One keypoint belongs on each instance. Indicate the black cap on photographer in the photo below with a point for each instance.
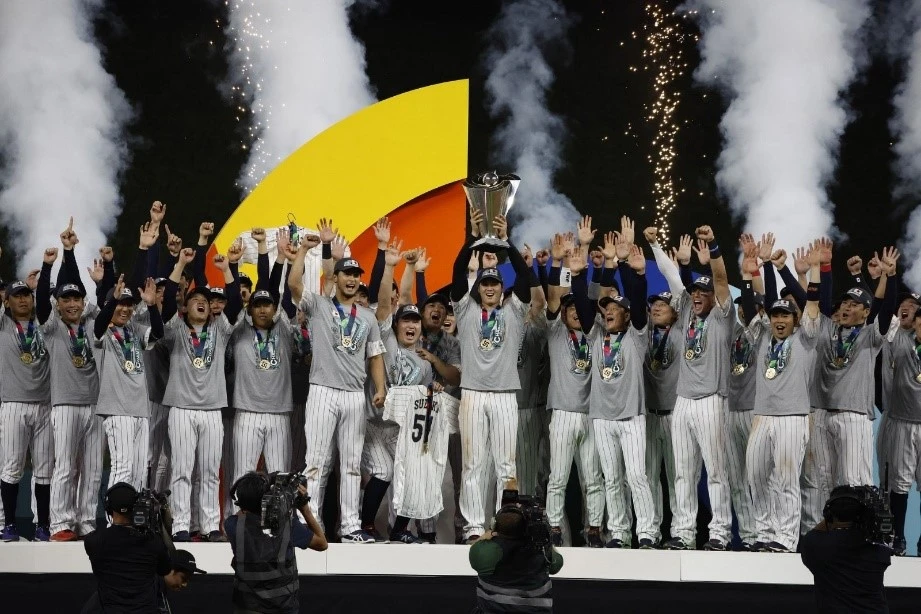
(121, 498)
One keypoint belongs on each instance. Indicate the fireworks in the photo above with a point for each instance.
(664, 56)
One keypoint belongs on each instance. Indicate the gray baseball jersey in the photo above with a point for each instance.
(74, 376)
(489, 344)
(904, 365)
(787, 392)
(665, 349)
(617, 383)
(24, 362)
(156, 360)
(196, 364)
(742, 371)
(262, 361)
(335, 365)
(845, 361)
(402, 367)
(707, 371)
(529, 355)
(122, 386)
(570, 368)
(447, 348)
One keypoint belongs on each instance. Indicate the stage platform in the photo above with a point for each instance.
(425, 578)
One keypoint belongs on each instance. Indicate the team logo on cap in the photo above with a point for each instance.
(350, 264)
(855, 292)
(703, 279)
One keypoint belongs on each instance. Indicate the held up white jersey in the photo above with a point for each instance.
(425, 421)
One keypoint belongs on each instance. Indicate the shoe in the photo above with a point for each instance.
(64, 536)
(714, 544)
(675, 543)
(758, 547)
(616, 543)
(775, 547)
(428, 538)
(899, 546)
(375, 535)
(215, 537)
(357, 537)
(593, 538)
(182, 536)
(647, 544)
(556, 537)
(10, 533)
(471, 540)
(42, 534)
(746, 547)
(405, 537)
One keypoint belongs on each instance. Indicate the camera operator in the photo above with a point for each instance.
(127, 561)
(265, 568)
(849, 551)
(514, 562)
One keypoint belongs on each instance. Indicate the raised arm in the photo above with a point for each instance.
(663, 262)
(104, 318)
(459, 273)
(286, 303)
(717, 265)
(382, 234)
(887, 289)
(43, 289)
(814, 260)
(107, 281)
(148, 237)
(636, 263)
(392, 257)
(411, 256)
(262, 258)
(148, 294)
(422, 264)
(555, 290)
(797, 290)
(205, 230)
(749, 267)
(226, 265)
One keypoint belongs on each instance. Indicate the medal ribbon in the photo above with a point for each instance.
(488, 327)
(26, 337)
(741, 350)
(199, 342)
(659, 345)
(843, 347)
(78, 345)
(778, 353)
(350, 323)
(696, 330)
(578, 347)
(918, 353)
(302, 335)
(266, 348)
(610, 350)
(125, 343)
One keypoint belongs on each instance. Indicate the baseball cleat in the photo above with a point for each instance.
(10, 533)
(428, 538)
(42, 534)
(182, 536)
(357, 537)
(64, 536)
(376, 535)
(775, 547)
(556, 537)
(472, 539)
(215, 537)
(715, 545)
(647, 544)
(746, 547)
(593, 538)
(616, 543)
(405, 537)
(675, 543)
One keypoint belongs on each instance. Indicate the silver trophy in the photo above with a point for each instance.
(491, 194)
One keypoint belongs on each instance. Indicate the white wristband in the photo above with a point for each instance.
(565, 277)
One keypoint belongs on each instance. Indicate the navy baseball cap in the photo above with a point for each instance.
(759, 299)
(347, 264)
(2, 284)
(910, 296)
(782, 305)
(205, 291)
(407, 311)
(702, 283)
(217, 292)
(567, 299)
(244, 280)
(182, 560)
(620, 300)
(858, 295)
(491, 274)
(363, 289)
(437, 298)
(665, 297)
(160, 281)
(18, 287)
(127, 296)
(261, 296)
(121, 497)
(70, 290)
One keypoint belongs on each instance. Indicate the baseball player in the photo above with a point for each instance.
(25, 410)
(119, 345)
(783, 367)
(77, 431)
(706, 318)
(571, 435)
(490, 333)
(196, 389)
(343, 336)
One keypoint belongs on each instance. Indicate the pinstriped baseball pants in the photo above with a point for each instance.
(196, 437)
(843, 448)
(738, 428)
(25, 427)
(258, 433)
(127, 437)
(77, 468)
(572, 436)
(659, 450)
(532, 426)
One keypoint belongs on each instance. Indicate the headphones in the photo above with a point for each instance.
(514, 509)
(844, 492)
(107, 503)
(247, 476)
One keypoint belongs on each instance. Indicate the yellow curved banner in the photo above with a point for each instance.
(365, 166)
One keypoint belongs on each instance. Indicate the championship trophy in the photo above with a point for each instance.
(491, 194)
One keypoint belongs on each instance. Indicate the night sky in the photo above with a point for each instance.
(186, 142)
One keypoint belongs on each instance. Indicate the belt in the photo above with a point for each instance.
(660, 412)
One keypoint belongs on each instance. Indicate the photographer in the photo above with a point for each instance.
(848, 552)
(127, 561)
(265, 568)
(514, 562)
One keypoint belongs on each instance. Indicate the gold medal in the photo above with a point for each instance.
(839, 362)
(581, 364)
(607, 372)
(918, 378)
(689, 355)
(771, 373)
(347, 342)
(199, 363)
(129, 366)
(264, 364)
(656, 365)
(738, 370)
(26, 358)
(486, 344)
(78, 361)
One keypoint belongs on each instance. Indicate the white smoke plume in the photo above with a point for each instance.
(530, 139)
(62, 120)
(906, 126)
(784, 65)
(299, 68)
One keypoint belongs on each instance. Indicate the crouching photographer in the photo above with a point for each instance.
(131, 555)
(263, 535)
(515, 562)
(849, 551)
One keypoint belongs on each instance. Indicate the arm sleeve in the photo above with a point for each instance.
(522, 276)
(887, 307)
(542, 276)
(459, 275)
(168, 265)
(169, 300)
(164, 565)
(825, 292)
(139, 274)
(70, 271)
(286, 303)
(377, 273)
(107, 283)
(796, 290)
(770, 283)
(585, 307)
(103, 319)
(275, 278)
(668, 270)
(153, 261)
(686, 277)
(156, 324)
(638, 313)
(198, 266)
(627, 278)
(748, 301)
(234, 300)
(262, 272)
(43, 294)
(422, 292)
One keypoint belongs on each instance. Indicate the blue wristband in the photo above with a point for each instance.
(715, 252)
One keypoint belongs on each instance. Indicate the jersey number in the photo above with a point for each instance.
(420, 425)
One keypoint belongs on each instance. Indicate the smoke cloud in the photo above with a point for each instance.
(62, 125)
(784, 65)
(299, 68)
(530, 137)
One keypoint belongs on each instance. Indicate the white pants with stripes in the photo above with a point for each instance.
(904, 455)
(196, 437)
(774, 462)
(257, 433)
(532, 427)
(77, 468)
(843, 449)
(573, 438)
(488, 424)
(813, 493)
(379, 450)
(158, 478)
(659, 450)
(698, 433)
(339, 414)
(127, 437)
(25, 428)
(621, 446)
(738, 428)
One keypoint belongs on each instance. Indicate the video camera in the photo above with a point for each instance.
(281, 500)
(151, 510)
(874, 518)
(537, 526)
